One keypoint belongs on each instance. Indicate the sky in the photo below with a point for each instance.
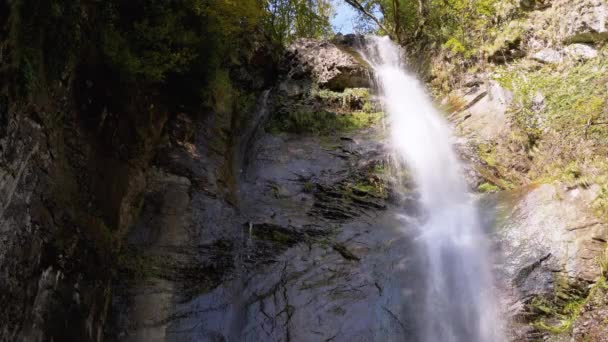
(344, 18)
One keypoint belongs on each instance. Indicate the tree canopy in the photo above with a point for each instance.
(454, 24)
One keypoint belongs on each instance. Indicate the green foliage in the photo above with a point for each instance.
(487, 187)
(322, 122)
(180, 45)
(290, 19)
(46, 37)
(457, 25)
(350, 99)
(573, 96)
(560, 109)
(308, 187)
(135, 265)
(150, 39)
(454, 45)
(557, 316)
(600, 204)
(503, 38)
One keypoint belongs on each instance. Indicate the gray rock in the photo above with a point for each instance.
(538, 102)
(582, 16)
(549, 56)
(484, 113)
(548, 240)
(331, 66)
(581, 51)
(566, 21)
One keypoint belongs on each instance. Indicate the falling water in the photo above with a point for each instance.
(458, 303)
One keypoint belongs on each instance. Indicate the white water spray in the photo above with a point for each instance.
(459, 305)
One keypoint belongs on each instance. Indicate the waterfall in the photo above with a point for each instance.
(459, 304)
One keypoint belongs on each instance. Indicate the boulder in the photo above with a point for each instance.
(558, 22)
(548, 56)
(332, 66)
(580, 17)
(581, 52)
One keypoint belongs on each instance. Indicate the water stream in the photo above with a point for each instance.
(458, 299)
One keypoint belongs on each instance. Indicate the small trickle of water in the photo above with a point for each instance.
(459, 305)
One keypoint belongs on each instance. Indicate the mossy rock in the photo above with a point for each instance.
(322, 122)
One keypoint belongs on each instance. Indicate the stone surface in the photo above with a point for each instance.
(331, 66)
(287, 237)
(483, 112)
(548, 56)
(300, 246)
(549, 241)
(581, 52)
(567, 21)
(592, 324)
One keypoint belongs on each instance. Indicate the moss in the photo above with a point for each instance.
(487, 187)
(600, 204)
(587, 38)
(506, 38)
(137, 266)
(354, 54)
(338, 311)
(557, 316)
(487, 154)
(368, 186)
(308, 187)
(330, 142)
(557, 321)
(351, 99)
(306, 121)
(573, 96)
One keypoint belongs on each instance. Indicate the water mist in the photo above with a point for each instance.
(458, 301)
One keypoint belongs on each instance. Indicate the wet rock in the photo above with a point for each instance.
(345, 253)
(547, 238)
(314, 293)
(548, 56)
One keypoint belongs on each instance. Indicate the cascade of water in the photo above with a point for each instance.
(459, 305)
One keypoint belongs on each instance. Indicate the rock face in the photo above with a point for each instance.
(547, 27)
(550, 243)
(568, 21)
(567, 237)
(581, 17)
(298, 236)
(234, 233)
(481, 110)
(331, 66)
(265, 240)
(80, 154)
(63, 184)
